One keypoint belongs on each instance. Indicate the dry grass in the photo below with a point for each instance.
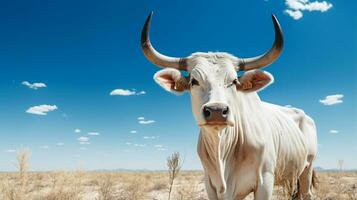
(337, 185)
(15, 186)
(105, 188)
(64, 186)
(22, 157)
(143, 186)
(174, 164)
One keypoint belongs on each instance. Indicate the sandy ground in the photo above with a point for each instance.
(142, 186)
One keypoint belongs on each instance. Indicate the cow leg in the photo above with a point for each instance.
(211, 191)
(305, 183)
(264, 190)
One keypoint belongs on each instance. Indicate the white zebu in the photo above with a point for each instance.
(245, 144)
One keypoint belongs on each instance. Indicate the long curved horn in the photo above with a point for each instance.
(268, 57)
(154, 56)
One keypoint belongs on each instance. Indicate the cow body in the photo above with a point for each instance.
(270, 141)
(245, 145)
(267, 143)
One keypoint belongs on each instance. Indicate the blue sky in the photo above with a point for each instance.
(83, 50)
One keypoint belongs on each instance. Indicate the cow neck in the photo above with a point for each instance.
(219, 150)
(216, 150)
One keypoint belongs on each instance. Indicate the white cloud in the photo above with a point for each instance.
(59, 143)
(41, 109)
(83, 139)
(160, 147)
(128, 143)
(295, 7)
(77, 130)
(139, 145)
(133, 131)
(141, 93)
(333, 131)
(84, 142)
(34, 86)
(295, 14)
(124, 92)
(149, 137)
(142, 120)
(9, 151)
(332, 99)
(146, 121)
(93, 133)
(44, 147)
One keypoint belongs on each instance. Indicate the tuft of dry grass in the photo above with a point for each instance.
(106, 188)
(15, 186)
(174, 164)
(64, 186)
(337, 185)
(22, 157)
(158, 185)
(133, 190)
(9, 189)
(189, 192)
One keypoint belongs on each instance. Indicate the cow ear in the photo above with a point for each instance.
(254, 80)
(172, 80)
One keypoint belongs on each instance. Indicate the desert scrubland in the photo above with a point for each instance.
(62, 185)
(135, 185)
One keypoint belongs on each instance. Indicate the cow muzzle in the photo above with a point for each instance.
(216, 114)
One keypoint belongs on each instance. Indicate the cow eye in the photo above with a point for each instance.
(194, 82)
(234, 82)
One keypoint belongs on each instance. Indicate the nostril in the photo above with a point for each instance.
(225, 111)
(206, 112)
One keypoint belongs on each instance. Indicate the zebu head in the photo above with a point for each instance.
(212, 80)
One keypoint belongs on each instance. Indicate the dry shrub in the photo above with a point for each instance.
(189, 192)
(352, 192)
(323, 189)
(9, 190)
(13, 188)
(37, 182)
(65, 186)
(145, 185)
(133, 189)
(336, 185)
(286, 184)
(158, 185)
(22, 157)
(174, 164)
(106, 189)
